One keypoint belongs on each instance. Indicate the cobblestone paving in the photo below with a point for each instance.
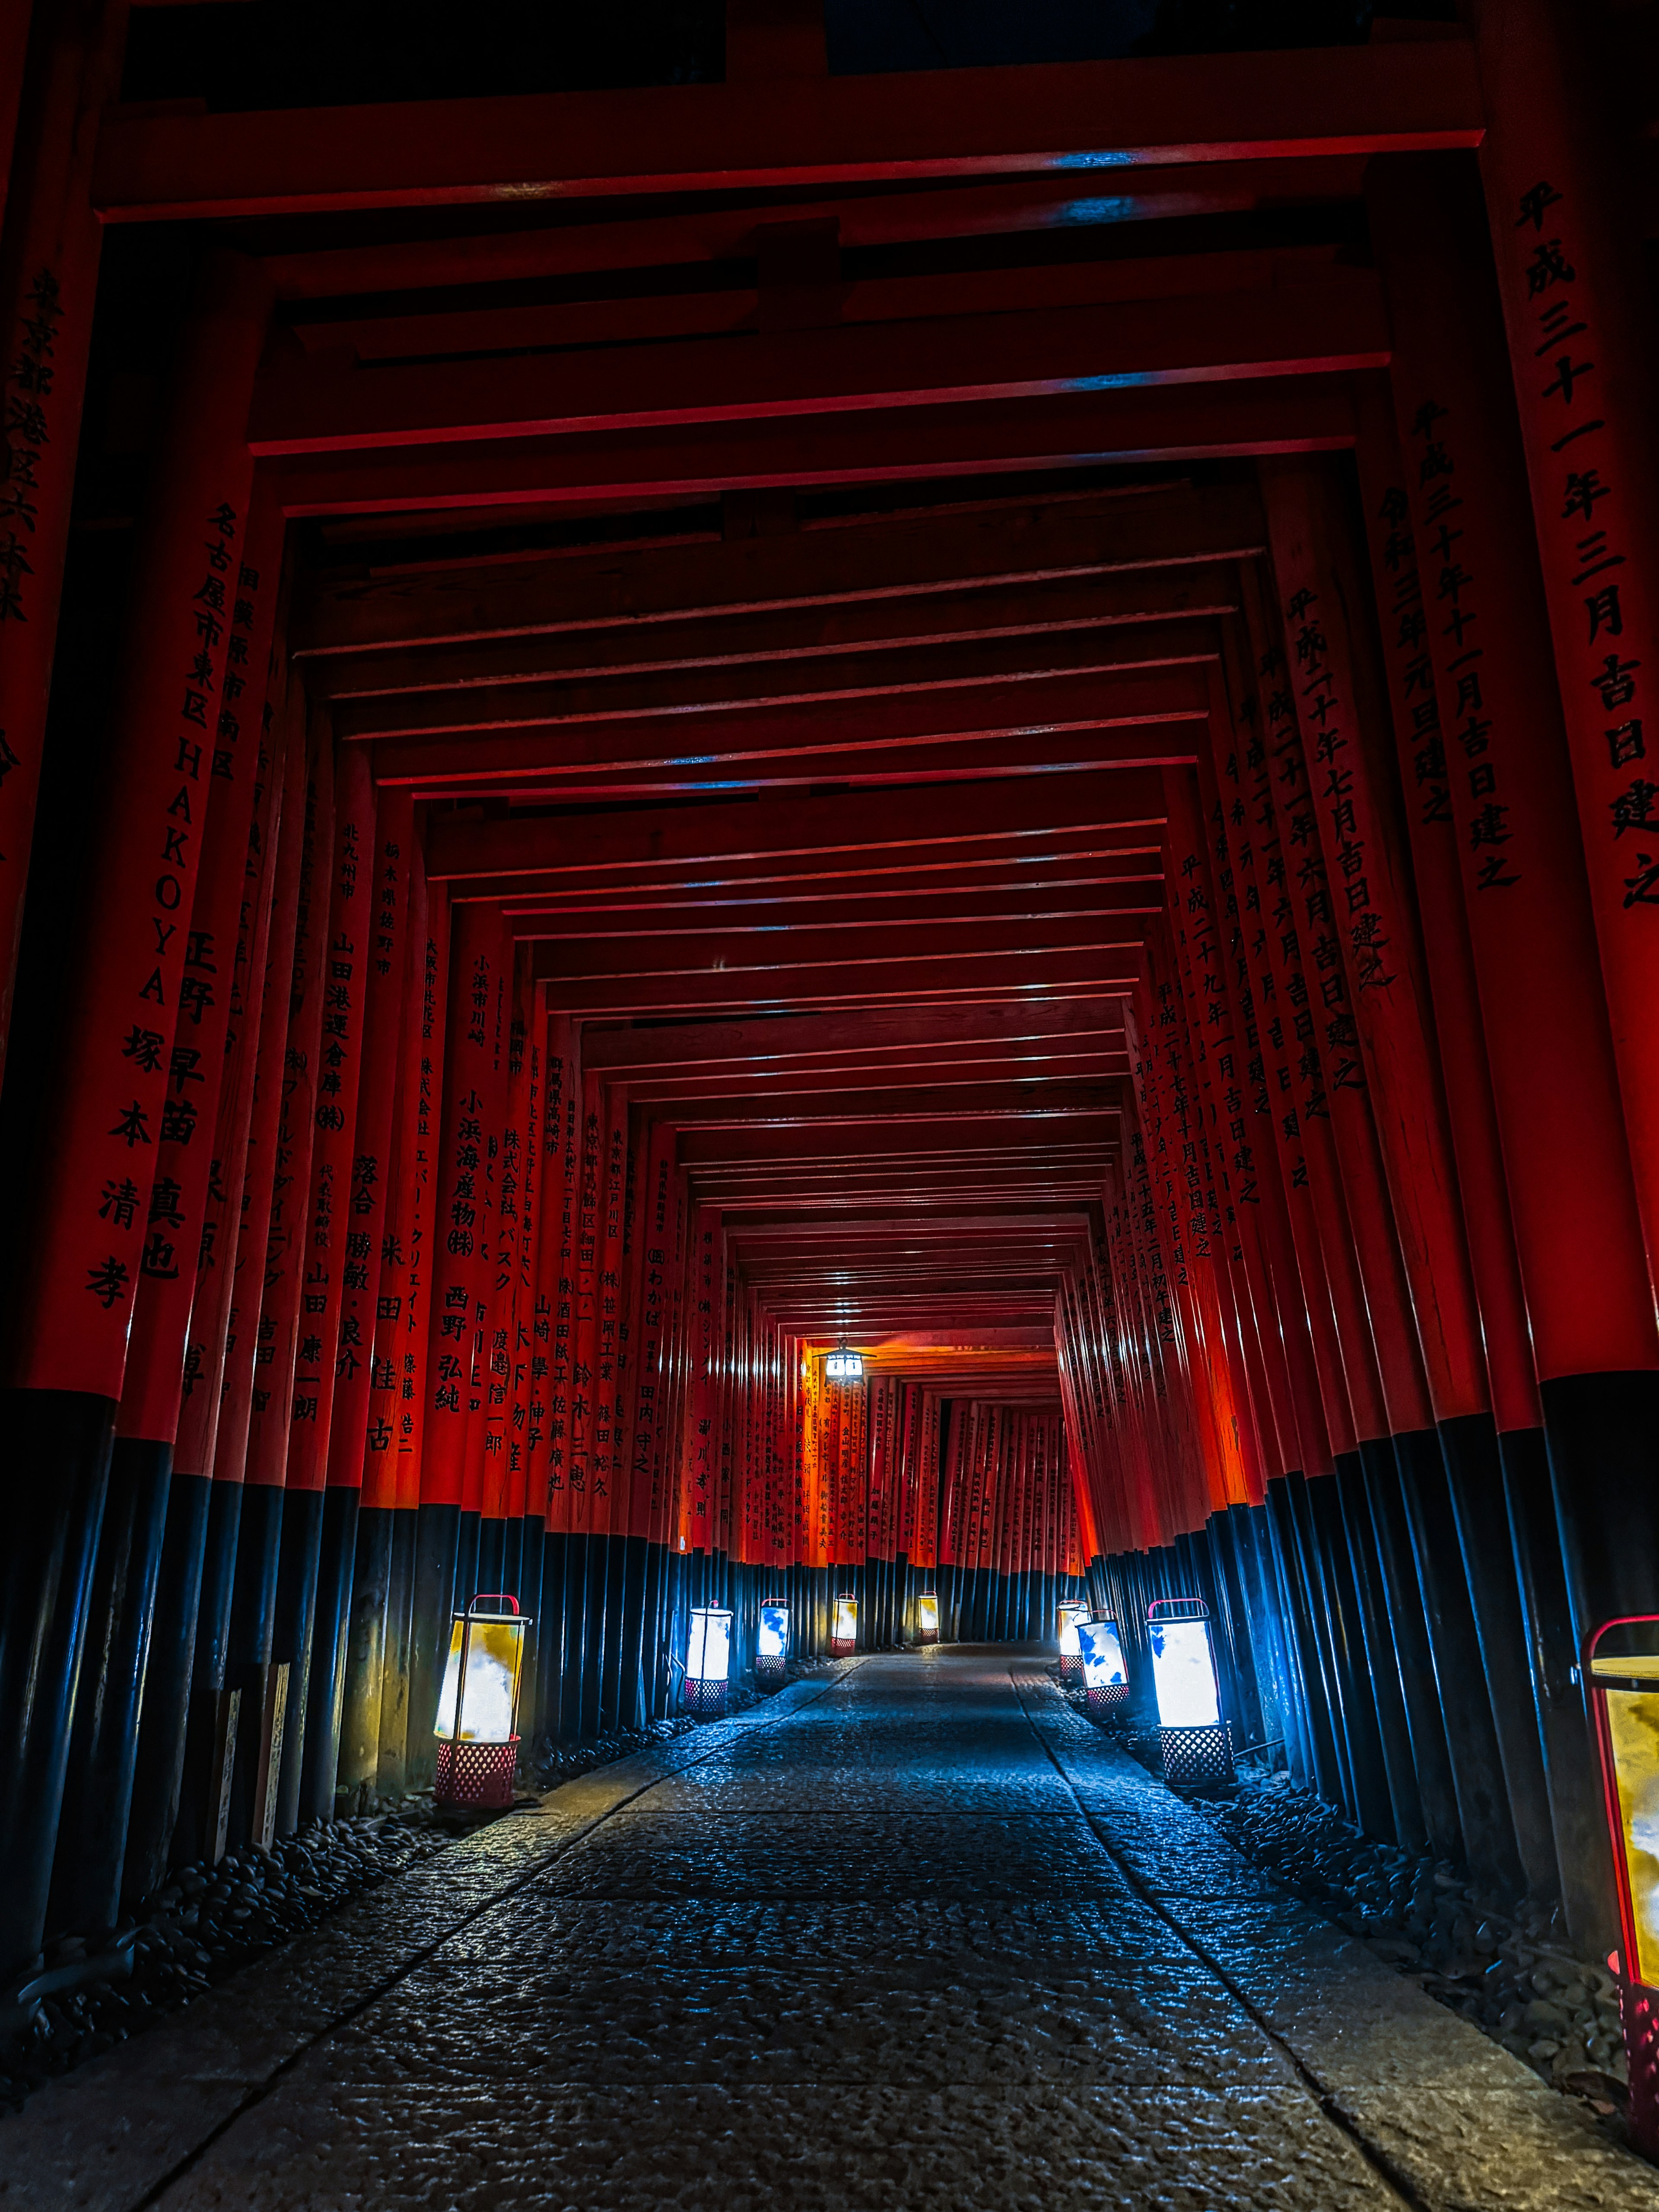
(912, 1936)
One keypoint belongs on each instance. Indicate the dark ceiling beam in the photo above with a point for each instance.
(816, 1111)
(989, 975)
(984, 902)
(1130, 676)
(897, 215)
(762, 1038)
(1120, 810)
(765, 886)
(1119, 603)
(1327, 317)
(899, 445)
(879, 564)
(667, 1098)
(1089, 117)
(762, 954)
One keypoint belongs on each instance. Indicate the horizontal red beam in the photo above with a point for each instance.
(991, 976)
(1094, 118)
(762, 1088)
(1155, 423)
(817, 1112)
(984, 902)
(872, 562)
(761, 1039)
(759, 954)
(798, 637)
(1120, 803)
(1317, 322)
(726, 232)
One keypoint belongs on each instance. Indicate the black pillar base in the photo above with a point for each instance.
(165, 1718)
(326, 1687)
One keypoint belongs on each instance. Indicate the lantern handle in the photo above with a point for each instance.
(1177, 1609)
(1623, 1620)
(498, 1598)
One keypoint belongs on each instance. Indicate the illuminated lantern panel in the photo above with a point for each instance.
(1624, 1688)
(1197, 1742)
(1072, 1611)
(772, 1641)
(478, 1705)
(928, 1617)
(844, 1366)
(1105, 1678)
(707, 1659)
(843, 1627)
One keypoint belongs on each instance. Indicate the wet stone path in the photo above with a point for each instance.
(914, 1936)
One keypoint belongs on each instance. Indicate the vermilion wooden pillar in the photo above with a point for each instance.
(1365, 905)
(1497, 762)
(48, 280)
(100, 1115)
(118, 1674)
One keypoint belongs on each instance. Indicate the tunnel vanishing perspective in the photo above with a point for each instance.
(827, 983)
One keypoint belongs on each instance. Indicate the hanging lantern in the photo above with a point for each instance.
(1072, 1611)
(707, 1659)
(1105, 1678)
(772, 1641)
(1197, 1745)
(1623, 1688)
(844, 1626)
(478, 1705)
(928, 1617)
(842, 1365)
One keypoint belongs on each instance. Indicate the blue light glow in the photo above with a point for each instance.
(1184, 1674)
(1102, 1654)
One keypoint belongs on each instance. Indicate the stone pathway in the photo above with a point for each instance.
(913, 1938)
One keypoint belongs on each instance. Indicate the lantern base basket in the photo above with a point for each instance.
(708, 1698)
(768, 1671)
(843, 1647)
(476, 1778)
(1639, 2008)
(1198, 1758)
(1104, 1701)
(926, 1636)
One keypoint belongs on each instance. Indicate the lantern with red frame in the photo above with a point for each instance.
(926, 1629)
(478, 1705)
(1072, 1611)
(1623, 1682)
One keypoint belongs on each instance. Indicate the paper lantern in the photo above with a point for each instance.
(707, 1659)
(772, 1641)
(1105, 1678)
(1623, 1680)
(1197, 1743)
(844, 1626)
(1072, 1611)
(842, 1365)
(478, 1705)
(926, 1629)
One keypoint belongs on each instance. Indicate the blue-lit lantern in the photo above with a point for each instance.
(1197, 1743)
(926, 1629)
(1072, 1611)
(771, 1642)
(843, 1625)
(1105, 1678)
(707, 1659)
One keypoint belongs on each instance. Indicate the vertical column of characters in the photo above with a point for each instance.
(484, 1394)
(377, 925)
(1408, 668)
(230, 903)
(48, 285)
(605, 1458)
(1509, 791)
(282, 1309)
(112, 1084)
(213, 1430)
(530, 1036)
(585, 1315)
(344, 971)
(556, 1300)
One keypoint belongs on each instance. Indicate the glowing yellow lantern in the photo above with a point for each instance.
(1623, 1688)
(844, 1626)
(478, 1705)
(1071, 1612)
(772, 1641)
(928, 1617)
